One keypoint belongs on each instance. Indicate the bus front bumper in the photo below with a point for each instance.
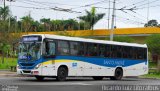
(28, 72)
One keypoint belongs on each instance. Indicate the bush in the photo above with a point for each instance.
(153, 43)
(122, 39)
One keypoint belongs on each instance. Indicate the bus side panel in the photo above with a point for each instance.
(97, 70)
(79, 68)
(48, 68)
(136, 70)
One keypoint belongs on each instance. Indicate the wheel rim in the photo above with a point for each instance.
(118, 74)
(62, 74)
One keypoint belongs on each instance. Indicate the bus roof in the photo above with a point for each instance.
(88, 40)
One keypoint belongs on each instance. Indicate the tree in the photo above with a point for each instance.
(57, 25)
(70, 24)
(91, 17)
(35, 26)
(26, 22)
(46, 23)
(153, 43)
(151, 23)
(4, 13)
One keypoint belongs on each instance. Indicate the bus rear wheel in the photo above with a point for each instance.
(62, 74)
(118, 74)
(97, 77)
(39, 78)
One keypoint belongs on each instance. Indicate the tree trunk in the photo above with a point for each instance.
(158, 64)
(2, 58)
(91, 27)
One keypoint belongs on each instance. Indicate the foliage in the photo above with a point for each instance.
(123, 39)
(26, 23)
(91, 17)
(4, 13)
(152, 23)
(8, 62)
(153, 43)
(157, 75)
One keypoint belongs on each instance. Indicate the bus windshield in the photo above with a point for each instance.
(29, 51)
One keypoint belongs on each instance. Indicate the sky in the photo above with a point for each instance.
(125, 17)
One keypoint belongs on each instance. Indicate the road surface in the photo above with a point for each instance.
(77, 84)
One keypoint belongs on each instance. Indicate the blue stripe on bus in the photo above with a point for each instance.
(109, 62)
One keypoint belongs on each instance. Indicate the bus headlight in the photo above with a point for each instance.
(18, 67)
(37, 66)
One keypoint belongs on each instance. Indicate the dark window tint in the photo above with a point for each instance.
(140, 53)
(81, 49)
(107, 51)
(113, 51)
(102, 50)
(49, 48)
(145, 53)
(92, 49)
(119, 52)
(74, 48)
(63, 48)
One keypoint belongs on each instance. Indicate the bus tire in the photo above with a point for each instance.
(62, 74)
(39, 78)
(97, 77)
(118, 74)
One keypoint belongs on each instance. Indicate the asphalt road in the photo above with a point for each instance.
(77, 84)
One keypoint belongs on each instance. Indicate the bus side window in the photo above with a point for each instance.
(101, 50)
(87, 46)
(63, 47)
(49, 48)
(119, 51)
(81, 49)
(92, 49)
(108, 51)
(74, 48)
(125, 52)
(134, 53)
(140, 53)
(145, 53)
(114, 51)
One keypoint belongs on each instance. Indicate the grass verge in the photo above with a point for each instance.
(8, 62)
(156, 75)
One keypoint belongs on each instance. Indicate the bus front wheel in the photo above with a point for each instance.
(62, 74)
(118, 74)
(39, 78)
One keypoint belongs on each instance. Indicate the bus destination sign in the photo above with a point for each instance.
(31, 38)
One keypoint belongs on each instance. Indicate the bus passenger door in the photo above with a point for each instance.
(48, 66)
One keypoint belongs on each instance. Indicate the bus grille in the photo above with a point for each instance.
(26, 71)
(27, 64)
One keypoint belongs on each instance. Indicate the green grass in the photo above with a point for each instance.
(152, 65)
(153, 73)
(157, 75)
(7, 63)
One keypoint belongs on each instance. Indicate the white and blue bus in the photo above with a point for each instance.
(44, 55)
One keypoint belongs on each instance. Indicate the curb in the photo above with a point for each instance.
(11, 75)
(149, 78)
(4, 70)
